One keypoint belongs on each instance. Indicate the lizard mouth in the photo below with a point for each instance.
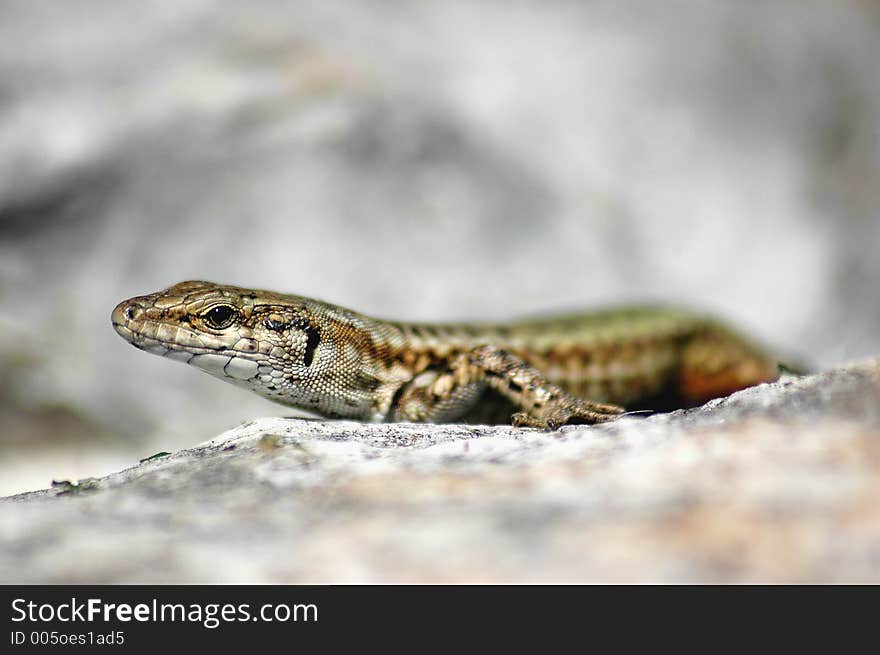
(220, 362)
(155, 346)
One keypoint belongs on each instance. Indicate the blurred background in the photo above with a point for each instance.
(419, 160)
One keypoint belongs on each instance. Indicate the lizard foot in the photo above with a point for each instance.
(577, 412)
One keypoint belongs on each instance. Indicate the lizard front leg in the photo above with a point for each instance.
(542, 404)
(437, 396)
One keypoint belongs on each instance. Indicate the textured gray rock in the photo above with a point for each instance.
(776, 483)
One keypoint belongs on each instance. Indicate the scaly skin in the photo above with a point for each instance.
(541, 373)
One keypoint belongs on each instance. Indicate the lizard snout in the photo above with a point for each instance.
(125, 312)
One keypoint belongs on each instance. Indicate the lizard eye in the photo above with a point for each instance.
(220, 317)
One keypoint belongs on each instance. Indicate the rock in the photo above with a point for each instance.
(777, 483)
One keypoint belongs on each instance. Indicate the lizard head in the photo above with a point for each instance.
(277, 345)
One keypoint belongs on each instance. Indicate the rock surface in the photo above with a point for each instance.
(776, 483)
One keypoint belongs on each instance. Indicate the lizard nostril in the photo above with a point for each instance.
(125, 314)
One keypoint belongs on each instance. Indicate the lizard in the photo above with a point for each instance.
(540, 372)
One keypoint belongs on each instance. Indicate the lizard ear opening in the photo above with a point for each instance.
(275, 324)
(313, 338)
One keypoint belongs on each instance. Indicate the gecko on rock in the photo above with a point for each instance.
(545, 372)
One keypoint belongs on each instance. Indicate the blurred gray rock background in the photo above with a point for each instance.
(417, 160)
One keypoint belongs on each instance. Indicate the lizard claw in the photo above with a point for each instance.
(523, 420)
